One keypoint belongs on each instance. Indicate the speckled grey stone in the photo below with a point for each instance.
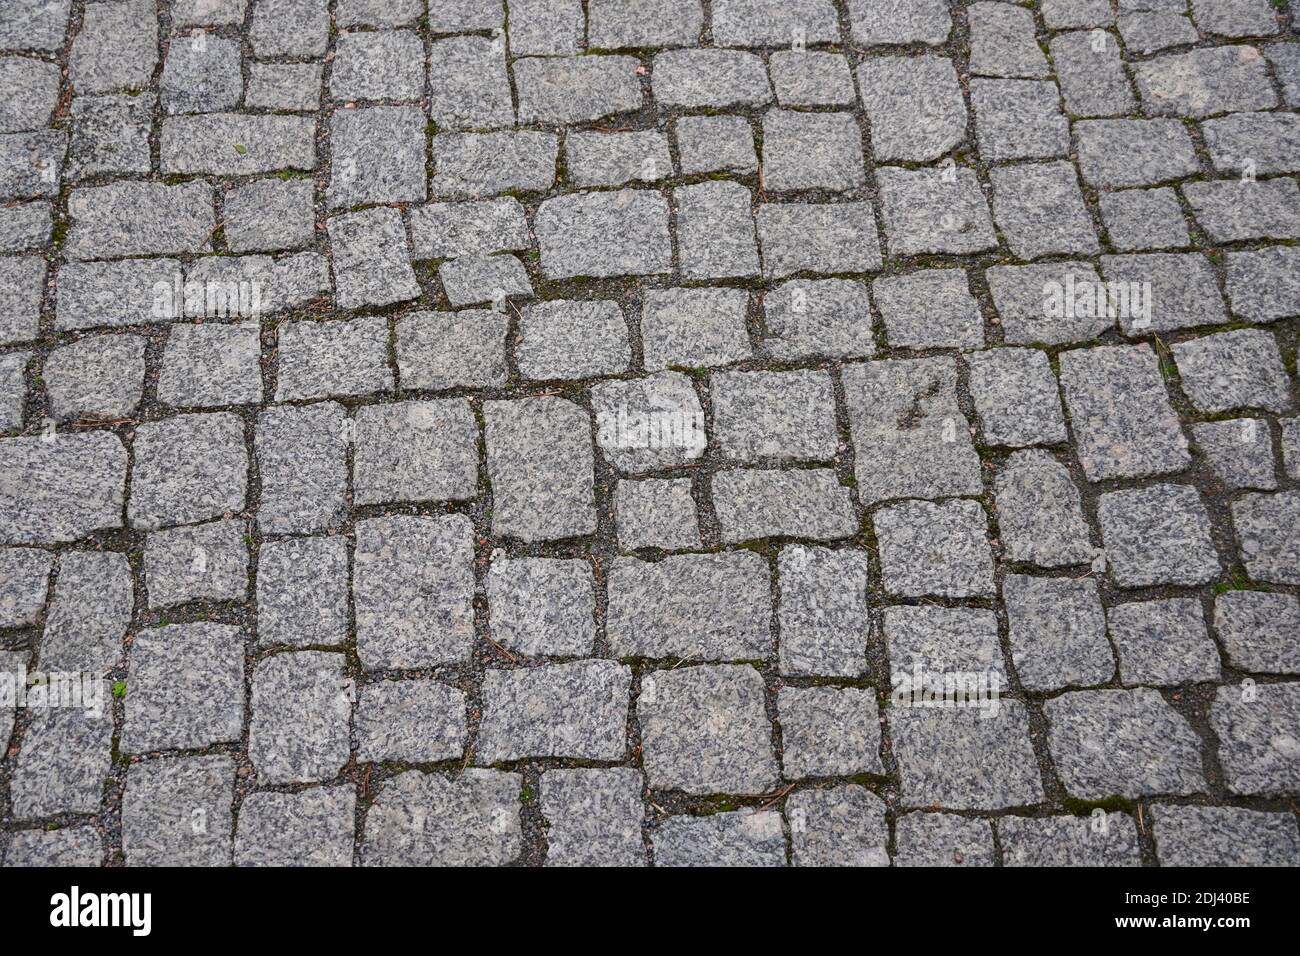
(301, 717)
(649, 423)
(693, 328)
(829, 731)
(377, 13)
(185, 688)
(1238, 369)
(576, 710)
(25, 227)
(1264, 285)
(315, 827)
(1041, 211)
(704, 606)
(735, 838)
(1057, 631)
(774, 415)
(415, 451)
(202, 74)
(613, 24)
(207, 562)
(300, 459)
(612, 159)
(380, 65)
(377, 155)
(1002, 41)
(925, 213)
(1231, 211)
(1019, 119)
(915, 106)
(1258, 745)
(1159, 534)
(704, 730)
(212, 365)
(24, 579)
(1224, 836)
(811, 151)
(594, 817)
(935, 549)
(1016, 398)
(823, 611)
(542, 606)
(412, 721)
(206, 144)
(420, 819)
(807, 78)
(889, 22)
(558, 91)
(1239, 452)
(1138, 219)
(1091, 73)
(31, 164)
(441, 350)
(965, 758)
(284, 86)
(188, 468)
(1107, 840)
(34, 25)
(709, 79)
(568, 339)
(471, 165)
(715, 231)
(128, 218)
(930, 647)
(1127, 743)
(13, 389)
(773, 23)
(73, 846)
(1285, 59)
(323, 359)
(546, 27)
(116, 48)
(1269, 141)
(476, 280)
(840, 826)
(89, 615)
(1268, 527)
(412, 585)
(754, 503)
(1257, 629)
(302, 591)
(372, 264)
(447, 230)
(1163, 642)
(13, 668)
(1117, 153)
(468, 85)
(910, 436)
(656, 513)
(460, 16)
(1148, 31)
(66, 753)
(714, 144)
(943, 839)
(270, 214)
(33, 87)
(60, 490)
(1034, 307)
(1235, 18)
(1123, 424)
(604, 234)
(22, 285)
(810, 318)
(932, 308)
(826, 238)
(1183, 291)
(1291, 446)
(1205, 82)
(176, 811)
(100, 376)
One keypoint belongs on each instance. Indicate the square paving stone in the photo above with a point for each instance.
(188, 468)
(808, 151)
(25, 227)
(915, 107)
(1224, 836)
(613, 24)
(1140, 219)
(756, 503)
(559, 91)
(705, 730)
(35, 25)
(1205, 82)
(411, 721)
(694, 328)
(1002, 41)
(911, 438)
(1268, 527)
(838, 826)
(415, 451)
(270, 214)
(823, 611)
(117, 47)
(965, 758)
(433, 819)
(1091, 72)
(594, 817)
(1258, 747)
(827, 238)
(302, 591)
(705, 606)
(935, 549)
(735, 838)
(715, 231)
(377, 155)
(649, 423)
(932, 308)
(1265, 284)
(656, 513)
(323, 359)
(949, 653)
(572, 339)
(99, 376)
(542, 606)
(33, 93)
(546, 27)
(1041, 211)
(577, 710)
(301, 717)
(943, 839)
(1108, 840)
(372, 265)
(1123, 423)
(1114, 154)
(806, 78)
(816, 317)
(612, 159)
(207, 562)
(61, 490)
(829, 732)
(473, 165)
(1016, 397)
(468, 85)
(24, 580)
(301, 461)
(774, 415)
(715, 144)
(1163, 642)
(212, 365)
(1157, 535)
(604, 234)
(927, 214)
(380, 65)
(890, 22)
(79, 846)
(185, 688)
(88, 618)
(1257, 629)
(540, 462)
(1057, 631)
(202, 74)
(176, 811)
(1238, 369)
(313, 828)
(709, 79)
(442, 350)
(1019, 119)
(1126, 743)
(413, 584)
(294, 87)
(66, 753)
(1239, 452)
(31, 164)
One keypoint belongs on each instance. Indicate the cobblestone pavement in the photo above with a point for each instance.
(630, 431)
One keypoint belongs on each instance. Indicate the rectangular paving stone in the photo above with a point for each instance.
(915, 106)
(415, 451)
(709, 79)
(378, 65)
(88, 618)
(943, 839)
(1140, 219)
(765, 415)
(772, 23)
(1264, 285)
(715, 231)
(1256, 629)
(1057, 631)
(61, 490)
(236, 144)
(35, 25)
(372, 265)
(433, 819)
(1270, 142)
(932, 549)
(1091, 74)
(22, 288)
(1268, 528)
(694, 328)
(1053, 303)
(705, 606)
(34, 93)
(1224, 836)
(31, 164)
(650, 423)
(463, 16)
(1238, 451)
(1238, 369)
(79, 846)
(25, 227)
(296, 28)
(1234, 211)
(300, 717)
(468, 85)
(25, 575)
(1163, 642)
(212, 365)
(1019, 119)
(734, 838)
(269, 215)
(753, 503)
(1115, 153)
(823, 611)
(656, 513)
(99, 376)
(474, 165)
(1151, 31)
(377, 155)
(932, 308)
(187, 469)
(572, 339)
(131, 219)
(1257, 737)
(315, 827)
(944, 655)
(412, 586)
(447, 230)
(477, 280)
(615, 24)
(546, 27)
(713, 144)
(576, 710)
(302, 591)
(604, 234)
(1183, 292)
(295, 87)
(66, 753)
(613, 159)
(301, 461)
(890, 22)
(839, 826)
(176, 811)
(816, 317)
(412, 721)
(829, 238)
(542, 606)
(1108, 840)
(925, 213)
(1205, 82)
(201, 75)
(1159, 534)
(594, 817)
(1002, 41)
(340, 357)
(806, 78)
(441, 350)
(1040, 512)
(207, 562)
(563, 91)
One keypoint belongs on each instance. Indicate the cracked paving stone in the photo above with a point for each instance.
(829, 732)
(692, 328)
(572, 339)
(542, 606)
(475, 165)
(433, 819)
(62, 490)
(99, 376)
(411, 721)
(1268, 527)
(1256, 629)
(915, 107)
(477, 280)
(927, 214)
(648, 424)
(704, 730)
(932, 308)
(377, 155)
(827, 238)
(707, 606)
(1232, 211)
(176, 811)
(1041, 211)
(1106, 840)
(753, 504)
(90, 613)
(448, 230)
(384, 65)
(207, 562)
(327, 359)
(807, 319)
(66, 753)
(415, 451)
(313, 828)
(186, 688)
(805, 78)
(839, 826)
(715, 231)
(300, 717)
(1057, 632)
(1002, 42)
(1224, 836)
(935, 549)
(302, 592)
(211, 365)
(468, 85)
(413, 588)
(594, 817)
(576, 710)
(823, 612)
(1126, 743)
(442, 350)
(1016, 398)
(25, 575)
(1141, 219)
(1163, 642)
(1229, 370)
(811, 151)
(931, 648)
(1258, 745)
(774, 415)
(1238, 451)
(559, 91)
(75, 846)
(732, 838)
(1204, 82)
(604, 234)
(656, 513)
(372, 265)
(1270, 142)
(1019, 119)
(1159, 534)
(943, 839)
(1115, 153)
(300, 459)
(715, 144)
(709, 79)
(614, 159)
(965, 758)
(186, 469)
(1091, 74)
